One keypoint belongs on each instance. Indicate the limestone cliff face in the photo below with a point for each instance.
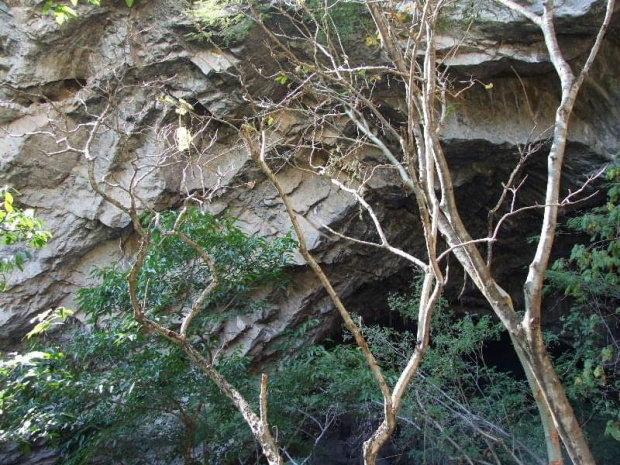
(136, 54)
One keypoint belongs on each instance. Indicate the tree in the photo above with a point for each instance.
(153, 228)
(319, 66)
(117, 377)
(459, 410)
(326, 84)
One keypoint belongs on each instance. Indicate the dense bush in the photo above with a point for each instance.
(458, 408)
(116, 391)
(590, 280)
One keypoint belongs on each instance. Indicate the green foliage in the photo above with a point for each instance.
(26, 381)
(173, 274)
(48, 319)
(317, 388)
(117, 396)
(223, 21)
(452, 406)
(117, 392)
(18, 227)
(593, 268)
(340, 21)
(63, 12)
(590, 279)
(461, 15)
(457, 398)
(228, 22)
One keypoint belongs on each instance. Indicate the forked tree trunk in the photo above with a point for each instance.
(432, 288)
(420, 142)
(431, 291)
(527, 334)
(258, 425)
(532, 353)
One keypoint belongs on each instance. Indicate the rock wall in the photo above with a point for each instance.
(69, 73)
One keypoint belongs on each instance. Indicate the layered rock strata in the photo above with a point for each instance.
(131, 57)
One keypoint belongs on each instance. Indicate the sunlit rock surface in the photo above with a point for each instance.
(139, 54)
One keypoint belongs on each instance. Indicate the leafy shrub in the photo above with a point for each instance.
(62, 12)
(349, 21)
(18, 226)
(221, 21)
(117, 392)
(590, 279)
(457, 409)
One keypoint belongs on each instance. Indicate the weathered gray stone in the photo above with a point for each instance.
(46, 67)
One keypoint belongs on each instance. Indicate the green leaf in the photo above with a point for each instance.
(129, 3)
(8, 202)
(599, 372)
(47, 7)
(282, 79)
(371, 41)
(65, 313)
(63, 13)
(8, 197)
(613, 429)
(607, 353)
(47, 319)
(70, 12)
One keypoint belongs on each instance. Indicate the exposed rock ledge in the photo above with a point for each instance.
(43, 64)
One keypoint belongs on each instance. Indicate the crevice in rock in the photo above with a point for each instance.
(56, 91)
